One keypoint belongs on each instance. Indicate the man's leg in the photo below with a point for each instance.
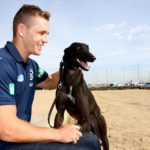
(87, 142)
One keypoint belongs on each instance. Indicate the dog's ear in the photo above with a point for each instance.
(66, 50)
(66, 54)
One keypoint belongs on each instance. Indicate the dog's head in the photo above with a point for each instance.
(77, 55)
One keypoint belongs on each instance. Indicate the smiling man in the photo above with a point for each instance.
(19, 75)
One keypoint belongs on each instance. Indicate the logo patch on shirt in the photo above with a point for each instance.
(20, 78)
(11, 89)
(31, 84)
(31, 74)
(40, 72)
(31, 77)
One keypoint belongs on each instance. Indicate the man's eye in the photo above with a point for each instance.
(42, 33)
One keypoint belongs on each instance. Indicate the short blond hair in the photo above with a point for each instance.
(25, 13)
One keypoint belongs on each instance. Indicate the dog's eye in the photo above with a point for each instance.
(78, 48)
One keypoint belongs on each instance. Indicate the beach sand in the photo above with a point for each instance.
(127, 113)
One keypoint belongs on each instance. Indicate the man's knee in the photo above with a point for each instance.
(90, 140)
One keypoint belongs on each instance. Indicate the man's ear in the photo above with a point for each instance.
(20, 29)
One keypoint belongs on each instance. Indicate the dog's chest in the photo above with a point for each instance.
(70, 96)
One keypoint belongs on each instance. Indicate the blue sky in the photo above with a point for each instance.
(117, 32)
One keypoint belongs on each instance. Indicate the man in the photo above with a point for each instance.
(19, 75)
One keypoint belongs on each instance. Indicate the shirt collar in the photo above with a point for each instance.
(15, 53)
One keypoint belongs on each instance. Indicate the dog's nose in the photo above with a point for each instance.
(93, 58)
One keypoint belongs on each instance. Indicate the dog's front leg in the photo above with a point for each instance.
(59, 119)
(60, 106)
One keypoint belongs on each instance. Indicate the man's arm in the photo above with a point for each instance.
(51, 82)
(13, 129)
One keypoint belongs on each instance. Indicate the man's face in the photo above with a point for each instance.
(35, 36)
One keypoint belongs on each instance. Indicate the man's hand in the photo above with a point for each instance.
(69, 133)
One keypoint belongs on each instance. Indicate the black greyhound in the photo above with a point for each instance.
(73, 95)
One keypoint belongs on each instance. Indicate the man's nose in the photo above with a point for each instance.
(45, 38)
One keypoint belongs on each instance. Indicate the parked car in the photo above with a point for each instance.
(146, 85)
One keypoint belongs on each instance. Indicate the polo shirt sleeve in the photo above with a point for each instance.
(41, 74)
(7, 83)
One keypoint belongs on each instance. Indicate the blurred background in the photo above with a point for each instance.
(117, 32)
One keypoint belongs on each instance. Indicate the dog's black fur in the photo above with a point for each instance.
(74, 96)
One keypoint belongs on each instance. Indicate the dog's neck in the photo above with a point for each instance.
(69, 76)
(73, 71)
(70, 67)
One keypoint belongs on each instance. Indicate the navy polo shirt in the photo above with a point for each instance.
(18, 80)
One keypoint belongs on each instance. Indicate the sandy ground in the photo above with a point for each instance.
(127, 113)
